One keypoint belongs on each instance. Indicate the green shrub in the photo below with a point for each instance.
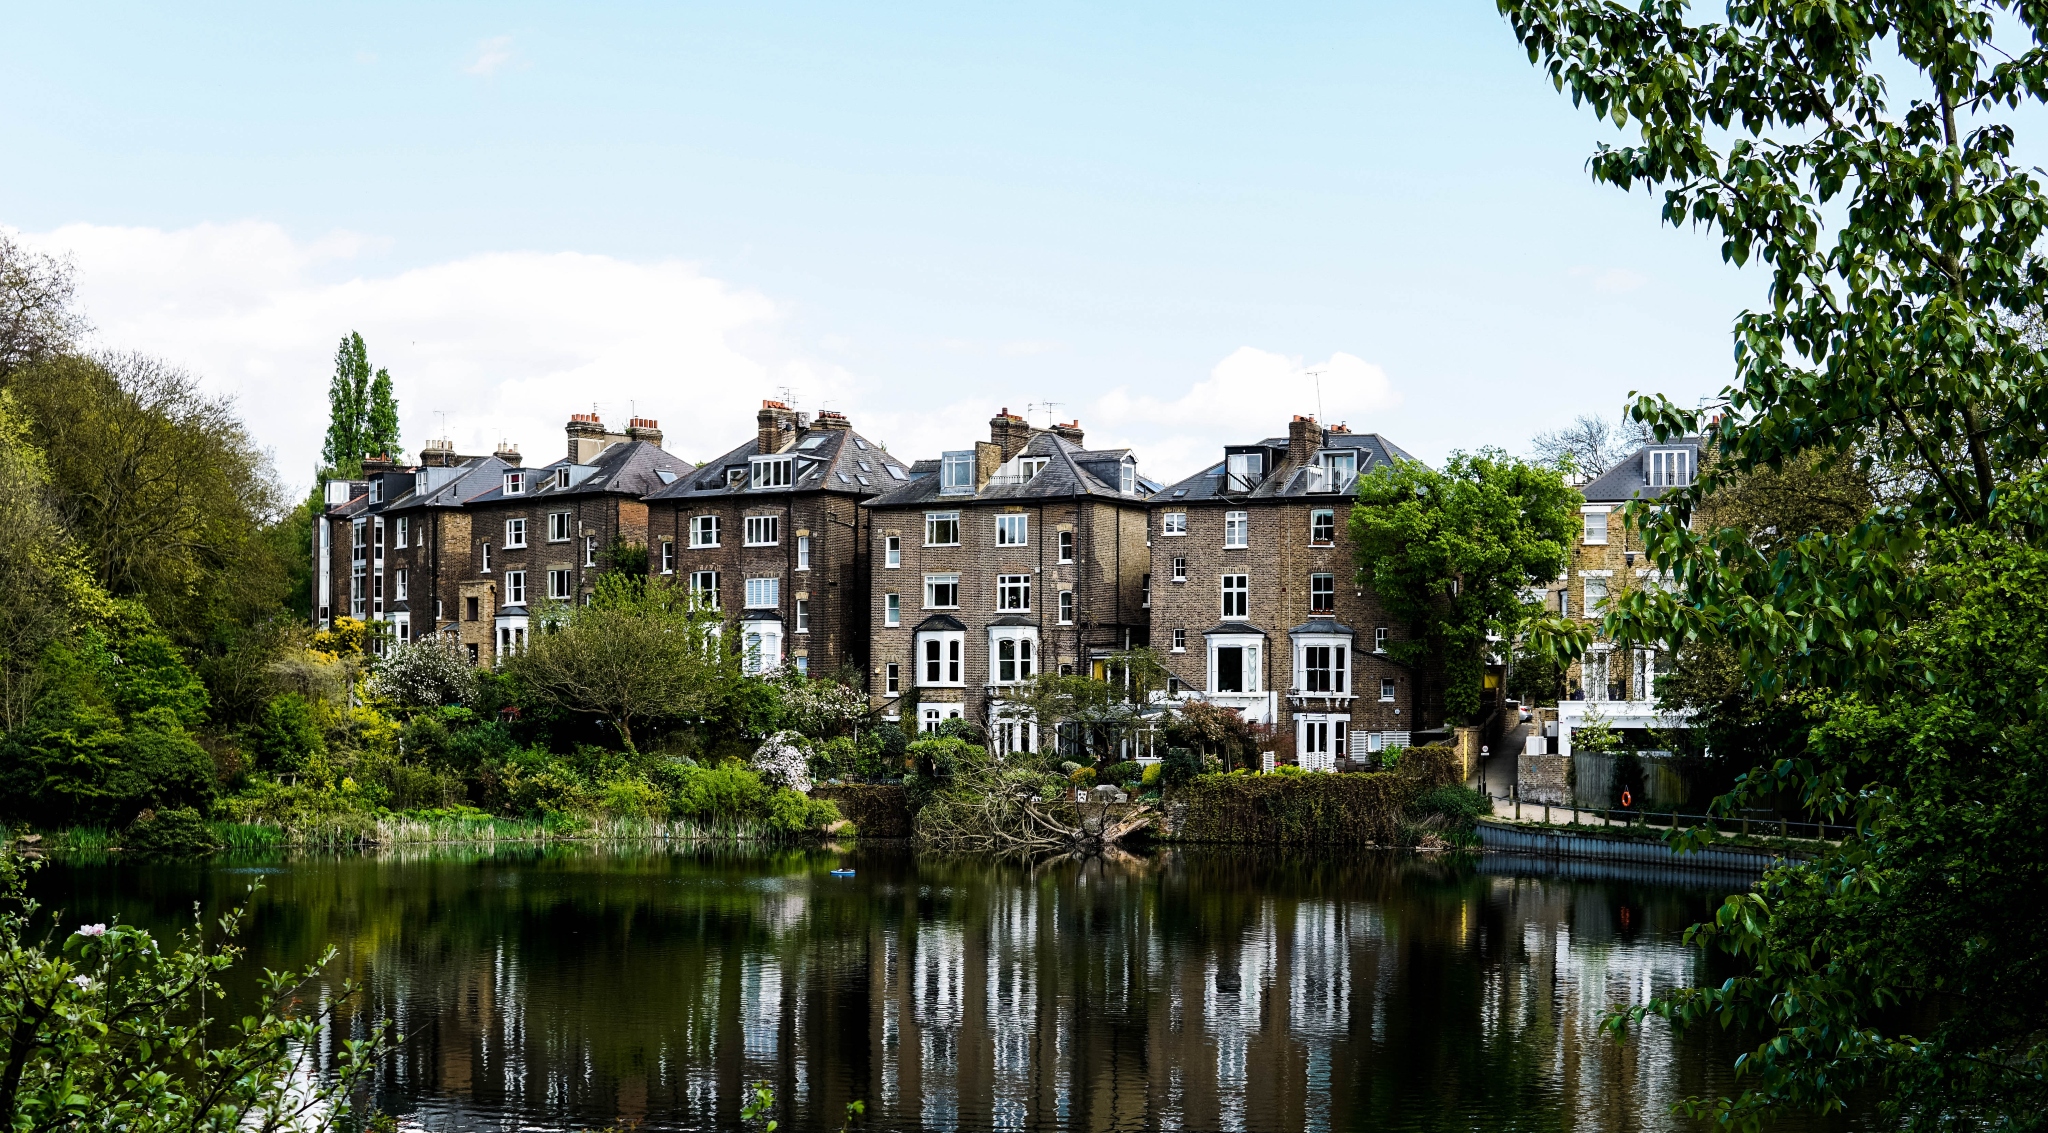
(789, 812)
(1154, 773)
(1082, 777)
(288, 737)
(174, 833)
(726, 794)
(629, 796)
(1129, 772)
(1296, 809)
(1453, 810)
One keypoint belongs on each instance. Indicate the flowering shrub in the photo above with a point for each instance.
(781, 762)
(428, 673)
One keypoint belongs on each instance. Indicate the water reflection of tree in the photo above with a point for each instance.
(1379, 989)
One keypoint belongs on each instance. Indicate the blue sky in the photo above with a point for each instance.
(1156, 217)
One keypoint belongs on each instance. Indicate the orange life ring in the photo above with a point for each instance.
(1626, 798)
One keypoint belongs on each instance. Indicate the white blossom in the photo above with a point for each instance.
(781, 762)
(92, 930)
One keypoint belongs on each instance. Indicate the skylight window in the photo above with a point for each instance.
(896, 472)
(810, 443)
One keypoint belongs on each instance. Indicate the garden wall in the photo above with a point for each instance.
(876, 811)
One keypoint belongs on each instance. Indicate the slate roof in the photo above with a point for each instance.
(1374, 452)
(1070, 470)
(631, 468)
(447, 487)
(1630, 479)
(1321, 626)
(828, 460)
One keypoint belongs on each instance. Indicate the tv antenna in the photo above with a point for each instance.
(788, 395)
(443, 415)
(1048, 406)
(1318, 376)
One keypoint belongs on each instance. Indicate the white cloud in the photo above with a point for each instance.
(1249, 395)
(491, 56)
(1612, 281)
(506, 344)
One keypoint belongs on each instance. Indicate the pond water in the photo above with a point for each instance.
(578, 986)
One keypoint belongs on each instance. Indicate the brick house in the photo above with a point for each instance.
(1255, 604)
(390, 548)
(1606, 562)
(997, 562)
(546, 533)
(773, 531)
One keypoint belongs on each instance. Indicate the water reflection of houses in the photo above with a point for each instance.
(977, 996)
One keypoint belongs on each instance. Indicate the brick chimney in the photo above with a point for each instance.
(439, 454)
(587, 437)
(1071, 430)
(1304, 437)
(1009, 432)
(988, 457)
(508, 452)
(644, 429)
(776, 426)
(830, 419)
(382, 462)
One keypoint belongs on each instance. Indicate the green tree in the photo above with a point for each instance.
(638, 653)
(1902, 244)
(1453, 554)
(362, 418)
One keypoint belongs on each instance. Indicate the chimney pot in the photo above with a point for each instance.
(1304, 437)
(775, 427)
(508, 452)
(644, 429)
(1071, 430)
(1008, 432)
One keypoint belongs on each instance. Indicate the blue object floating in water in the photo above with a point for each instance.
(842, 873)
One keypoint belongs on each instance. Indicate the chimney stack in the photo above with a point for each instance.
(644, 429)
(382, 462)
(439, 454)
(1009, 432)
(777, 426)
(830, 419)
(508, 452)
(1071, 430)
(1304, 437)
(587, 437)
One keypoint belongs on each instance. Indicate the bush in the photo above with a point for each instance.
(175, 833)
(1302, 808)
(793, 813)
(288, 736)
(1128, 772)
(629, 796)
(1453, 810)
(1154, 774)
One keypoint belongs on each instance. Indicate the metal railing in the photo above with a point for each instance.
(1779, 826)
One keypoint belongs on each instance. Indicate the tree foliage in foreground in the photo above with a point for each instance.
(1453, 553)
(1901, 240)
(103, 1028)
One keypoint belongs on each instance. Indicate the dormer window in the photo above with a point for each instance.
(562, 477)
(1129, 485)
(515, 483)
(735, 477)
(1244, 470)
(1668, 468)
(956, 472)
(772, 472)
(377, 490)
(1334, 470)
(1018, 471)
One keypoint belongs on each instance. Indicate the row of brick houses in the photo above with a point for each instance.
(943, 582)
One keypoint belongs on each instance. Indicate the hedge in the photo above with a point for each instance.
(1312, 809)
(876, 810)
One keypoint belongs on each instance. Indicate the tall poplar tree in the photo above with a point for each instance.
(362, 413)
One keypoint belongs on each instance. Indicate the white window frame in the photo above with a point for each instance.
(760, 647)
(1250, 668)
(956, 472)
(1336, 674)
(892, 609)
(1180, 569)
(1321, 739)
(1241, 591)
(515, 588)
(1066, 608)
(932, 520)
(402, 533)
(764, 592)
(892, 552)
(1595, 585)
(558, 526)
(892, 679)
(933, 715)
(1379, 639)
(704, 531)
(1237, 530)
(668, 556)
(560, 583)
(1173, 524)
(767, 473)
(399, 586)
(562, 477)
(1322, 577)
(485, 546)
(515, 533)
(1128, 476)
(762, 531)
(704, 589)
(950, 659)
(590, 550)
(1022, 642)
(1180, 641)
(1065, 552)
(803, 615)
(1588, 516)
(1388, 690)
(1322, 517)
(803, 552)
(1010, 587)
(931, 584)
(1013, 529)
(515, 483)
(1667, 468)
